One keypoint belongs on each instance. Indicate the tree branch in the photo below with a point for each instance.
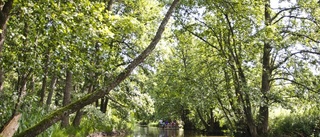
(282, 10)
(295, 17)
(301, 35)
(289, 56)
(199, 37)
(296, 83)
(116, 102)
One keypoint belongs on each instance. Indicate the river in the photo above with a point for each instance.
(158, 132)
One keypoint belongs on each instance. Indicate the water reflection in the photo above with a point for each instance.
(159, 132)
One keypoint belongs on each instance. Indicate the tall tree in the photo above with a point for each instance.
(266, 75)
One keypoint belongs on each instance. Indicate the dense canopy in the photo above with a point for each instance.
(225, 67)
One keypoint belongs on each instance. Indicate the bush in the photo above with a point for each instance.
(295, 126)
(93, 121)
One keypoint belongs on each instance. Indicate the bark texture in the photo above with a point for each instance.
(67, 98)
(90, 98)
(266, 74)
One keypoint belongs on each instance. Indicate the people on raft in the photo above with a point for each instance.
(167, 124)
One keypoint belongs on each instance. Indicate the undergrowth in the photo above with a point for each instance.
(296, 125)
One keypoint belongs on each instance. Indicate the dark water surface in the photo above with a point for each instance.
(158, 132)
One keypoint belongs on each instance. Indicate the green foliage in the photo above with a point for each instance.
(295, 125)
(6, 106)
(46, 38)
(198, 66)
(94, 121)
(87, 127)
(33, 113)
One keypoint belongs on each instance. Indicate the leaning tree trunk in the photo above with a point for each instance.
(67, 98)
(75, 106)
(243, 97)
(266, 73)
(4, 16)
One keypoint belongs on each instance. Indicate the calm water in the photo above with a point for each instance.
(158, 132)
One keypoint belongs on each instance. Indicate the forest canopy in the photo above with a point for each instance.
(225, 67)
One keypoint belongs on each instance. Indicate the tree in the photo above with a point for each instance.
(235, 33)
(57, 115)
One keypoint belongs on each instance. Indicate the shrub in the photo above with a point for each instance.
(295, 126)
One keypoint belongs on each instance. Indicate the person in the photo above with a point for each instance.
(167, 122)
(175, 124)
(161, 123)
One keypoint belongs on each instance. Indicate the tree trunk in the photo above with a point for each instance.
(75, 106)
(243, 98)
(188, 125)
(67, 98)
(4, 16)
(247, 103)
(104, 104)
(22, 91)
(97, 103)
(51, 89)
(250, 122)
(77, 119)
(44, 79)
(23, 75)
(212, 121)
(109, 7)
(266, 73)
